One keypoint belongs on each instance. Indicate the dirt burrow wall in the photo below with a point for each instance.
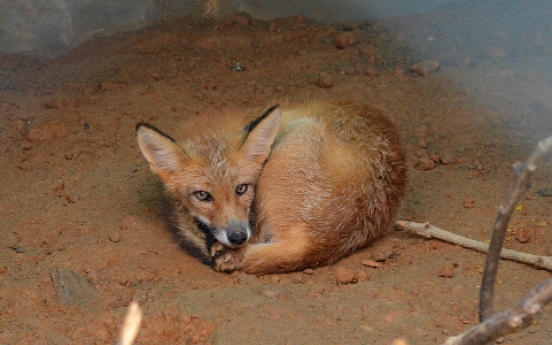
(48, 28)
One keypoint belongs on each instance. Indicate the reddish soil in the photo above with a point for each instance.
(82, 231)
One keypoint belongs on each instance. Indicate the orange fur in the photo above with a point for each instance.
(324, 179)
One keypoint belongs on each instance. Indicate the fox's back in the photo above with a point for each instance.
(337, 168)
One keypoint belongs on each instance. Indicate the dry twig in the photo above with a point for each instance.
(429, 231)
(131, 324)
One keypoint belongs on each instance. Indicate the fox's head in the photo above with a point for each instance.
(213, 176)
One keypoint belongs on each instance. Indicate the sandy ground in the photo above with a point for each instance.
(82, 233)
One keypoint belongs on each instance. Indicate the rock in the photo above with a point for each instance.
(114, 236)
(425, 163)
(466, 316)
(384, 255)
(241, 18)
(469, 202)
(370, 72)
(424, 68)
(309, 271)
(344, 276)
(295, 279)
(447, 272)
(274, 279)
(71, 288)
(324, 80)
(345, 39)
(362, 276)
(522, 235)
(270, 293)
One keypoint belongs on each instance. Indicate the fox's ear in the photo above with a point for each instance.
(164, 156)
(260, 135)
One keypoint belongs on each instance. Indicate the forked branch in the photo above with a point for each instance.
(531, 305)
(521, 184)
(512, 320)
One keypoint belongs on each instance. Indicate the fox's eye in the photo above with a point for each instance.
(241, 189)
(203, 196)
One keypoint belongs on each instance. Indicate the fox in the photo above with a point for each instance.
(300, 186)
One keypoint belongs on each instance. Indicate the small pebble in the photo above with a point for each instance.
(114, 237)
(435, 157)
(324, 80)
(156, 76)
(422, 152)
(424, 68)
(384, 255)
(345, 39)
(466, 316)
(295, 279)
(362, 276)
(238, 67)
(447, 272)
(469, 202)
(344, 276)
(241, 18)
(425, 163)
(370, 263)
(270, 293)
(372, 72)
(522, 235)
(274, 279)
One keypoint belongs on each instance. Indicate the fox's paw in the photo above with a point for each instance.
(218, 249)
(226, 259)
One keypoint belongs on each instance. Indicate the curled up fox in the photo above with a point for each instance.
(298, 187)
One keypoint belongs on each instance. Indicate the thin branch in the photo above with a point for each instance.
(131, 324)
(512, 320)
(523, 173)
(429, 231)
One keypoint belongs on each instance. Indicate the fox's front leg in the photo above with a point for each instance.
(226, 259)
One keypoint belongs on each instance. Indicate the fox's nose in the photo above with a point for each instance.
(237, 238)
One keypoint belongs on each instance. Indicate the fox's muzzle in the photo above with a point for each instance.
(233, 235)
(237, 234)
